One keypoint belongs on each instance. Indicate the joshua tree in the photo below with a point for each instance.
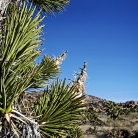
(113, 110)
(59, 109)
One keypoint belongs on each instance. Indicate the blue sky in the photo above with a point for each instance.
(104, 33)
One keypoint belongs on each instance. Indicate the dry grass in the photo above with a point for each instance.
(124, 126)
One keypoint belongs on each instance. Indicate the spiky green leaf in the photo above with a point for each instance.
(59, 109)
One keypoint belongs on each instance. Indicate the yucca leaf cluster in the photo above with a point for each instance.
(59, 110)
(51, 6)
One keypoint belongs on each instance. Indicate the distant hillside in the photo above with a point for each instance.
(90, 98)
(98, 104)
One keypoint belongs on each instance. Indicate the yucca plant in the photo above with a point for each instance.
(59, 109)
(50, 6)
(19, 48)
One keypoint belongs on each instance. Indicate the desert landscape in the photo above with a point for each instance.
(98, 122)
(120, 122)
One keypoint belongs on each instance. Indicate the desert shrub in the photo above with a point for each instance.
(75, 133)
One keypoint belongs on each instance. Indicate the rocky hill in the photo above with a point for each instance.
(95, 103)
(99, 104)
